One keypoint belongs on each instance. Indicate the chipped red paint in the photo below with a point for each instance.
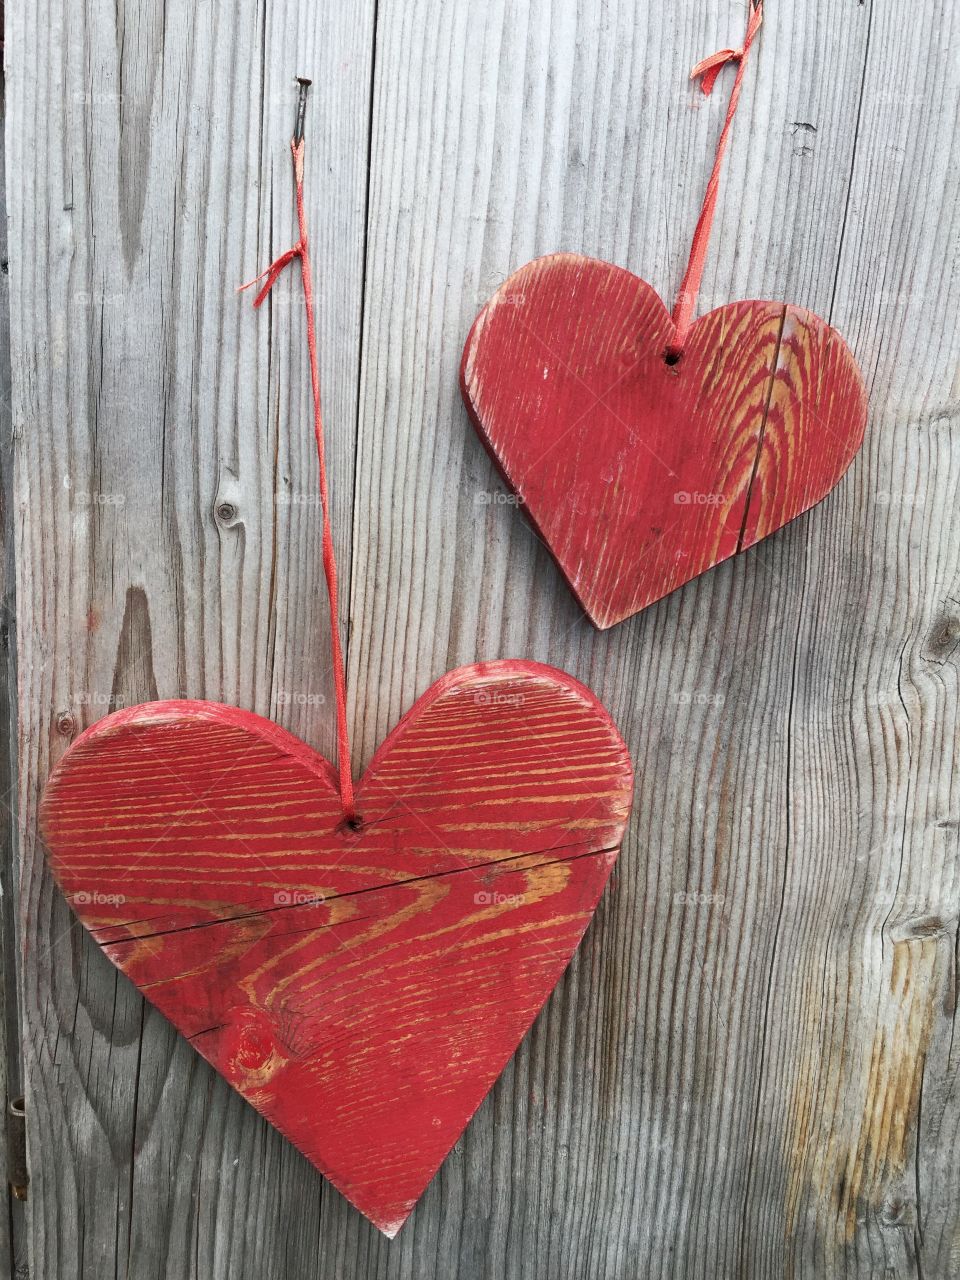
(363, 989)
(640, 474)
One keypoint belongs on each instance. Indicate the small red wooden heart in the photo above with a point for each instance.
(640, 474)
(362, 988)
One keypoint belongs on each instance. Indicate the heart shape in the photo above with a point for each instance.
(640, 474)
(363, 989)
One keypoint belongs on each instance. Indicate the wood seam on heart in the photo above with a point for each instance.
(377, 888)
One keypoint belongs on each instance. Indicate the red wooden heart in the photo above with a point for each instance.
(362, 988)
(640, 474)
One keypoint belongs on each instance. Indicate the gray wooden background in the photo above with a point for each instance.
(750, 1068)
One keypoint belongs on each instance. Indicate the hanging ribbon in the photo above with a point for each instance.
(707, 72)
(272, 274)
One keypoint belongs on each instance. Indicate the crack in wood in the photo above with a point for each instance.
(355, 893)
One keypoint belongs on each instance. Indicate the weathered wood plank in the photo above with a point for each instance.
(168, 540)
(860, 1085)
(13, 1245)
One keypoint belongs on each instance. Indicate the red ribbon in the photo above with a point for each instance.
(709, 69)
(272, 274)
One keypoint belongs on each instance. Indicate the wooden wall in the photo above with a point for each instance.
(750, 1068)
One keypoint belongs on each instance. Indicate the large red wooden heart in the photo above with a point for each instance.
(362, 988)
(638, 473)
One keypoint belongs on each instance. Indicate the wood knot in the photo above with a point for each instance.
(251, 1054)
(66, 724)
(943, 638)
(916, 928)
(897, 1212)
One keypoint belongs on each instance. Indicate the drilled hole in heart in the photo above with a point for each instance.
(672, 357)
(351, 826)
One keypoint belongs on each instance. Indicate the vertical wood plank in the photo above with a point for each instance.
(168, 539)
(12, 1233)
(859, 1103)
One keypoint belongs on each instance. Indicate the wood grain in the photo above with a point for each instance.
(168, 540)
(13, 1245)
(640, 472)
(362, 984)
(726, 1081)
